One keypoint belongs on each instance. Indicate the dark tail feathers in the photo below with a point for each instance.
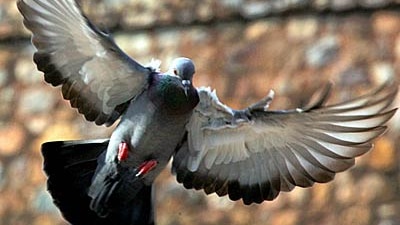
(70, 167)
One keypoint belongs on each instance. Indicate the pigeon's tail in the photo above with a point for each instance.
(115, 187)
(71, 166)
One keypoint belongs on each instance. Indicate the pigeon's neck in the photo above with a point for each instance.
(167, 92)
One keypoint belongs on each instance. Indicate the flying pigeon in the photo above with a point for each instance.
(251, 154)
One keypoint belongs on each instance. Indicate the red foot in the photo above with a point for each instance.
(146, 167)
(123, 151)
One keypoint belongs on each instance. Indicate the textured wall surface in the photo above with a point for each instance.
(242, 48)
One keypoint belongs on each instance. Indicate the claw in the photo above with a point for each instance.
(146, 167)
(123, 151)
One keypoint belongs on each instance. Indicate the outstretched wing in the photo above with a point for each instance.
(254, 154)
(96, 76)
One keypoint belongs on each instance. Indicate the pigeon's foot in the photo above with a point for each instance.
(146, 167)
(123, 150)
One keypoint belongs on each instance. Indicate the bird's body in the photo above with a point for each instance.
(251, 154)
(153, 124)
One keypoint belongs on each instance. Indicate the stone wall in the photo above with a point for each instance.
(242, 48)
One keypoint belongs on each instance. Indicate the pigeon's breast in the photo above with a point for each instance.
(152, 133)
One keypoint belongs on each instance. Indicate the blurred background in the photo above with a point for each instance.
(242, 48)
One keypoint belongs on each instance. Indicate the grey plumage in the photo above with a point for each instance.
(255, 153)
(251, 154)
(103, 83)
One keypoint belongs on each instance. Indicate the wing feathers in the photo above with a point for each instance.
(358, 121)
(384, 93)
(356, 137)
(254, 154)
(72, 52)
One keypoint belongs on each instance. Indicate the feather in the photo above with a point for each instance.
(258, 153)
(73, 53)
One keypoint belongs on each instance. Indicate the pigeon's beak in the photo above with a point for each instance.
(186, 85)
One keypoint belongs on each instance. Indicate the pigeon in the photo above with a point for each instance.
(104, 84)
(251, 154)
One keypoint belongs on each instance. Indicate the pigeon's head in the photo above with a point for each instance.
(174, 90)
(183, 68)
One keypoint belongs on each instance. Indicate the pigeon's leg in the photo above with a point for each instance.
(146, 167)
(123, 150)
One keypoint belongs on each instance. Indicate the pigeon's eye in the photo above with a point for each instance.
(176, 72)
